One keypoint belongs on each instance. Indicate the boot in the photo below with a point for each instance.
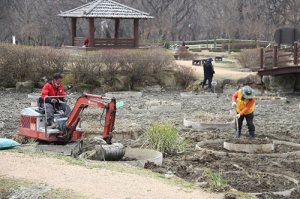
(252, 134)
(50, 123)
(209, 89)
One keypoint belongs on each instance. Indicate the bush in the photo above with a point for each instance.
(85, 68)
(164, 138)
(187, 74)
(184, 53)
(113, 61)
(140, 63)
(250, 59)
(21, 63)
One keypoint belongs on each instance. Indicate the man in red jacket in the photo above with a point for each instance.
(52, 93)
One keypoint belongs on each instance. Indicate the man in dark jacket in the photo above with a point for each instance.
(52, 93)
(208, 70)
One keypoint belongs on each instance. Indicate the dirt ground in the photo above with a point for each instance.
(251, 173)
(272, 121)
(90, 183)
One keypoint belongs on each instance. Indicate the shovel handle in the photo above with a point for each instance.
(236, 119)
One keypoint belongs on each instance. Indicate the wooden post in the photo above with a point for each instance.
(73, 31)
(91, 32)
(295, 53)
(261, 58)
(136, 33)
(117, 27)
(275, 56)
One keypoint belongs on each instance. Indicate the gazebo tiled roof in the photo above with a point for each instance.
(105, 9)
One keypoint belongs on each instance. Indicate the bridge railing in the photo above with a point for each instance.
(278, 57)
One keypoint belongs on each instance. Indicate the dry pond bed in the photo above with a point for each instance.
(279, 123)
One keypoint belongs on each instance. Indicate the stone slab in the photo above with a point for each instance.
(125, 94)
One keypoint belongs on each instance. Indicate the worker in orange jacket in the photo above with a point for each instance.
(244, 100)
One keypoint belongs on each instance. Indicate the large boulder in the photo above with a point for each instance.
(223, 81)
(169, 79)
(26, 86)
(280, 83)
(229, 89)
(255, 78)
(122, 83)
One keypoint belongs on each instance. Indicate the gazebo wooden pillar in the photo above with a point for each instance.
(117, 27)
(136, 33)
(73, 30)
(92, 30)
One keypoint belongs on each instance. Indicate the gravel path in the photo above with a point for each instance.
(92, 183)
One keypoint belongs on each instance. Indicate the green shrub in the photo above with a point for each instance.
(82, 85)
(164, 138)
(215, 180)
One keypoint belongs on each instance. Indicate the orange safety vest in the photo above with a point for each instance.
(241, 104)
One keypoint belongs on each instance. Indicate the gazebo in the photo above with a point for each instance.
(104, 9)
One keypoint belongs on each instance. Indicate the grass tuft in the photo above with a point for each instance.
(165, 138)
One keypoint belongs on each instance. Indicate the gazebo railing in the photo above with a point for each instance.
(106, 43)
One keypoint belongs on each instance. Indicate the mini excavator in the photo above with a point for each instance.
(33, 124)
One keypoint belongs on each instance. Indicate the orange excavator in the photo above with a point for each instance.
(33, 124)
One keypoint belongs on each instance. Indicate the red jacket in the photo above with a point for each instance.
(50, 90)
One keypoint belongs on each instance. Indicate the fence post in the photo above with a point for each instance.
(261, 58)
(275, 56)
(295, 53)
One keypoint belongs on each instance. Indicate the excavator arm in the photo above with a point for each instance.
(91, 100)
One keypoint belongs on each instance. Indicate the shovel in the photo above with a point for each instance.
(236, 123)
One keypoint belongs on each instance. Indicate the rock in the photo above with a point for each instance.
(222, 82)
(122, 83)
(280, 83)
(245, 70)
(155, 88)
(168, 79)
(41, 84)
(26, 86)
(245, 81)
(229, 90)
(230, 196)
(256, 79)
(148, 80)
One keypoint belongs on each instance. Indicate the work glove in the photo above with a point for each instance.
(238, 116)
(53, 101)
(64, 99)
(233, 104)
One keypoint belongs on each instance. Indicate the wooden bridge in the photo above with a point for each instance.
(279, 61)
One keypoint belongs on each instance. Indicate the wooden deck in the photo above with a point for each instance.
(280, 71)
(288, 62)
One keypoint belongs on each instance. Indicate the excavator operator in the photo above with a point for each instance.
(50, 90)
